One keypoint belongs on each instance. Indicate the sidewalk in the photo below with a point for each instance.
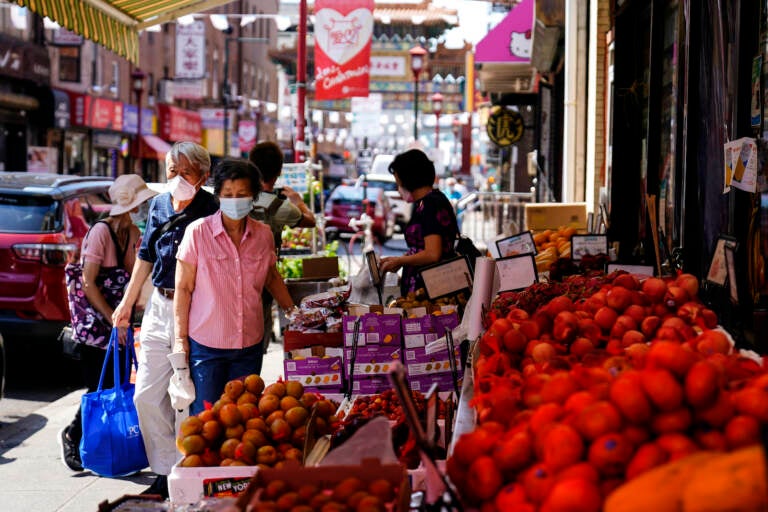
(34, 477)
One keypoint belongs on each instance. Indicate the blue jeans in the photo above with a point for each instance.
(212, 368)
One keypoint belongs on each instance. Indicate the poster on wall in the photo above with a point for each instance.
(343, 30)
(41, 159)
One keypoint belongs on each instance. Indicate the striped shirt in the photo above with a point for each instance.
(225, 311)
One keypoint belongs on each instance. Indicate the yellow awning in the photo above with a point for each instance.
(115, 24)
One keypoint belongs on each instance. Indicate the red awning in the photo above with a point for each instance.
(154, 147)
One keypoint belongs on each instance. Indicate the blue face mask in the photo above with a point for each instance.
(236, 207)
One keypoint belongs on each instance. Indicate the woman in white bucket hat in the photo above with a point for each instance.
(110, 248)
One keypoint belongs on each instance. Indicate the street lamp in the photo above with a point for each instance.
(456, 126)
(437, 108)
(417, 64)
(137, 84)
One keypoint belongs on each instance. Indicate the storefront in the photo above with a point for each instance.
(25, 101)
(151, 149)
(176, 124)
(95, 145)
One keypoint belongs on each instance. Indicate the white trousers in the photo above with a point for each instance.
(157, 419)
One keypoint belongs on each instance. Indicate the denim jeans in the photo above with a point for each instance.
(212, 368)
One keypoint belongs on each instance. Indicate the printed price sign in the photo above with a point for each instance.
(521, 243)
(516, 272)
(641, 270)
(294, 176)
(581, 245)
(447, 277)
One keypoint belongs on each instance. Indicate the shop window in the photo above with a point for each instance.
(69, 64)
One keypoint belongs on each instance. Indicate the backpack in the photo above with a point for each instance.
(267, 216)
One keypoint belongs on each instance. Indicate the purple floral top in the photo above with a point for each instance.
(431, 215)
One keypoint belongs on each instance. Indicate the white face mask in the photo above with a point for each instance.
(141, 215)
(236, 207)
(181, 189)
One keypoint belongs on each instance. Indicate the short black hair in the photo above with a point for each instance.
(414, 169)
(236, 169)
(268, 157)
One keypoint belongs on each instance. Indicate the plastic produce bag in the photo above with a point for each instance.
(372, 441)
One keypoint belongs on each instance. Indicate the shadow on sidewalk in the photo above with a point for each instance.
(14, 434)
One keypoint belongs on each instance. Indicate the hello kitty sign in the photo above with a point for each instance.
(343, 31)
(511, 40)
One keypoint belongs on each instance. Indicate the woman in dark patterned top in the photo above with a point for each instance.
(431, 232)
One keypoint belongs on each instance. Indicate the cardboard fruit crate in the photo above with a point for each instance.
(326, 477)
(190, 485)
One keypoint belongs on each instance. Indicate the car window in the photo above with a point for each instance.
(27, 214)
(75, 223)
(353, 193)
(389, 186)
(95, 207)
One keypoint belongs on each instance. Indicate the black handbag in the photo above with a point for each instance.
(465, 247)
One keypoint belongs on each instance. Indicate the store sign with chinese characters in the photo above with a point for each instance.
(388, 65)
(505, 126)
(190, 50)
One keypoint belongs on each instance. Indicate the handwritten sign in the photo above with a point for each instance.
(581, 245)
(447, 277)
(516, 272)
(718, 271)
(521, 243)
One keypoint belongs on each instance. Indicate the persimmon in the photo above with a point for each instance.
(671, 356)
(563, 447)
(610, 454)
(719, 413)
(702, 384)
(711, 439)
(510, 497)
(598, 419)
(483, 479)
(513, 453)
(678, 420)
(654, 288)
(662, 388)
(627, 395)
(573, 495)
(752, 401)
(647, 456)
(741, 431)
(558, 388)
(538, 481)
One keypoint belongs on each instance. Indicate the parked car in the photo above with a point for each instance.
(43, 219)
(349, 202)
(387, 181)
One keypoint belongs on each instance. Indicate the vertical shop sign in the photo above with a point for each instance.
(190, 50)
(246, 135)
(343, 30)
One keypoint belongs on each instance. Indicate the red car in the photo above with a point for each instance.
(43, 219)
(349, 202)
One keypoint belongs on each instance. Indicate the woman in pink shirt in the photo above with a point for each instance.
(224, 262)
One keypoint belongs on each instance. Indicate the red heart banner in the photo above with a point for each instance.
(343, 30)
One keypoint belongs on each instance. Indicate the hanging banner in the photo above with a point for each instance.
(246, 134)
(343, 30)
(190, 50)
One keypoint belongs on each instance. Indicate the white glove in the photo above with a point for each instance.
(181, 389)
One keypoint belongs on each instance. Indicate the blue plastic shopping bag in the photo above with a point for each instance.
(112, 444)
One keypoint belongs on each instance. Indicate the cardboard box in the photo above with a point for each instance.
(326, 477)
(365, 385)
(541, 216)
(319, 369)
(190, 485)
(321, 267)
(375, 329)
